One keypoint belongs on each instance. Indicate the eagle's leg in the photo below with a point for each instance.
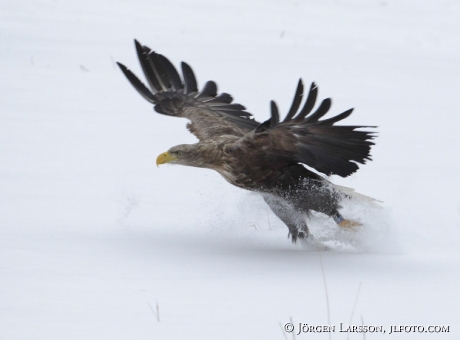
(293, 219)
(343, 223)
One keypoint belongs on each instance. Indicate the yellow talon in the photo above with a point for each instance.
(347, 224)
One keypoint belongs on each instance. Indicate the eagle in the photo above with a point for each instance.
(275, 158)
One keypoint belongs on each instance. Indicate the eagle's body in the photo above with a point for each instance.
(268, 158)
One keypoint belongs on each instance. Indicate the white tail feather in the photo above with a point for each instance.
(353, 194)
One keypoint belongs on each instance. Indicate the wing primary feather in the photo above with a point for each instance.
(223, 98)
(142, 54)
(321, 111)
(209, 90)
(337, 118)
(263, 127)
(309, 103)
(159, 71)
(296, 102)
(189, 79)
(236, 107)
(173, 94)
(275, 119)
(137, 84)
(234, 112)
(174, 77)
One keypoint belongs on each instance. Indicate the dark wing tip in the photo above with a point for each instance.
(137, 84)
(275, 119)
(320, 111)
(272, 121)
(209, 90)
(121, 66)
(171, 94)
(190, 83)
(337, 118)
(296, 101)
(174, 77)
(139, 48)
(310, 102)
(304, 116)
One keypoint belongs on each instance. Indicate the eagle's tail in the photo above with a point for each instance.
(351, 193)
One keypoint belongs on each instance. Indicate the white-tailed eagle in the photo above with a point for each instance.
(270, 157)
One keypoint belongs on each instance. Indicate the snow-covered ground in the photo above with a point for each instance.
(95, 240)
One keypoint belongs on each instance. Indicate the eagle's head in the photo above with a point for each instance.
(186, 154)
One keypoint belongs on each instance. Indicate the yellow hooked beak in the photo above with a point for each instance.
(165, 157)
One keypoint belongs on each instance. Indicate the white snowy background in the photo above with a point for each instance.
(93, 236)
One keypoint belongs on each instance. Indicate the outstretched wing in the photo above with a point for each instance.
(302, 137)
(211, 115)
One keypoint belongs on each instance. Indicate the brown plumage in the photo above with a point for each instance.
(268, 157)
